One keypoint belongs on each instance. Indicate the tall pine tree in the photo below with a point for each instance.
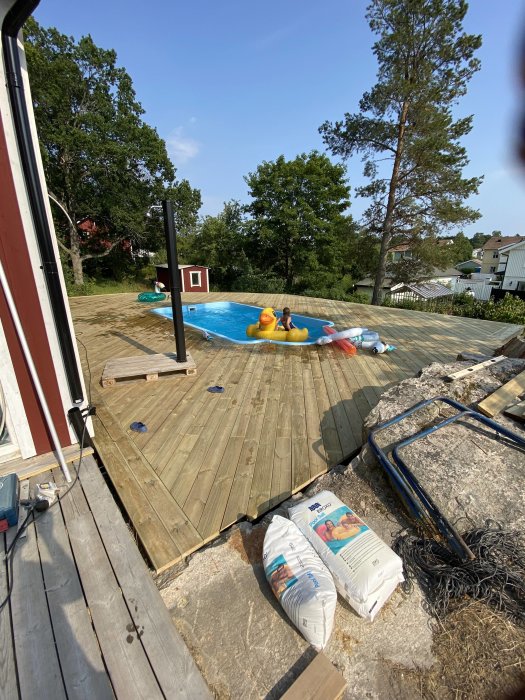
(405, 129)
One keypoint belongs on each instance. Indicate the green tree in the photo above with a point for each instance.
(479, 239)
(405, 129)
(460, 250)
(219, 243)
(100, 159)
(296, 208)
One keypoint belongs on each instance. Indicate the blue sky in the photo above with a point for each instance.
(231, 84)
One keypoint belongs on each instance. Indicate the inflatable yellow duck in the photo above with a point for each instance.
(267, 329)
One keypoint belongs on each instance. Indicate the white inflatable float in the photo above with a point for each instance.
(349, 334)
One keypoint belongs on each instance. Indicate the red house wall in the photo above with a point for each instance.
(186, 272)
(185, 278)
(19, 272)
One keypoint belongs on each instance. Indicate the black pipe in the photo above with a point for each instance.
(12, 24)
(173, 269)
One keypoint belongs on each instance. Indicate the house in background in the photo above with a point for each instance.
(423, 291)
(193, 278)
(41, 378)
(512, 266)
(469, 266)
(490, 255)
(445, 278)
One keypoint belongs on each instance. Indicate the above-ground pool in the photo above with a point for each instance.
(229, 320)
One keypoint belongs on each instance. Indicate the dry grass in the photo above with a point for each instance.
(481, 656)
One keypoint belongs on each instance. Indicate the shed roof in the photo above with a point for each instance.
(181, 267)
(427, 290)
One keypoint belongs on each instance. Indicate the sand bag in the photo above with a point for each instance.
(300, 581)
(365, 569)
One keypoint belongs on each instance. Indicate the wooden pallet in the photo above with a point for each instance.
(149, 367)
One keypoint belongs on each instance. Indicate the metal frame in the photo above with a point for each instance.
(416, 499)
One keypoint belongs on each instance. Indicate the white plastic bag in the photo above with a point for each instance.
(365, 570)
(300, 581)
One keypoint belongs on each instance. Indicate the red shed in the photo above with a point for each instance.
(193, 278)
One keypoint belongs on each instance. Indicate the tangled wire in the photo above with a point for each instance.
(496, 576)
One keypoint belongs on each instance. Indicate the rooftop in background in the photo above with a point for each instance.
(498, 242)
(426, 290)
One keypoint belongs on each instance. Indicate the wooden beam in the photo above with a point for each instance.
(320, 680)
(503, 396)
(475, 368)
(26, 468)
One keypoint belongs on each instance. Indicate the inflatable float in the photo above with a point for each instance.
(353, 338)
(341, 340)
(151, 296)
(335, 336)
(267, 329)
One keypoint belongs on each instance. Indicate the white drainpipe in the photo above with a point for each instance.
(34, 374)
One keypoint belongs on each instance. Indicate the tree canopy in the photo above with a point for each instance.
(101, 160)
(405, 129)
(297, 211)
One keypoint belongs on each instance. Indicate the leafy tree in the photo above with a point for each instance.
(409, 270)
(219, 243)
(460, 250)
(479, 239)
(405, 129)
(297, 206)
(100, 159)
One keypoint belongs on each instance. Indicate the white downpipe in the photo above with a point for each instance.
(34, 374)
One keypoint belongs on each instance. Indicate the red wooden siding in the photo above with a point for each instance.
(19, 272)
(185, 278)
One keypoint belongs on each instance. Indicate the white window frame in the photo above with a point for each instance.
(17, 425)
(199, 274)
(10, 449)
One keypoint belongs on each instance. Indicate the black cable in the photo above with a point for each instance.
(495, 576)
(40, 506)
(87, 363)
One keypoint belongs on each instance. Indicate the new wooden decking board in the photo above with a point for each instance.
(214, 510)
(237, 505)
(262, 474)
(188, 417)
(351, 399)
(175, 522)
(164, 400)
(207, 475)
(317, 458)
(151, 531)
(300, 452)
(342, 425)
(200, 464)
(281, 484)
(169, 657)
(130, 672)
(331, 442)
(78, 650)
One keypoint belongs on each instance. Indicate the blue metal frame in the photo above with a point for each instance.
(413, 495)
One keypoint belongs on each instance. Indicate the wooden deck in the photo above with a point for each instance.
(287, 413)
(85, 619)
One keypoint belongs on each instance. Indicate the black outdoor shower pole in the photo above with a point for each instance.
(173, 269)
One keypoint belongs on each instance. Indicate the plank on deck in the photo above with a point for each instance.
(85, 619)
